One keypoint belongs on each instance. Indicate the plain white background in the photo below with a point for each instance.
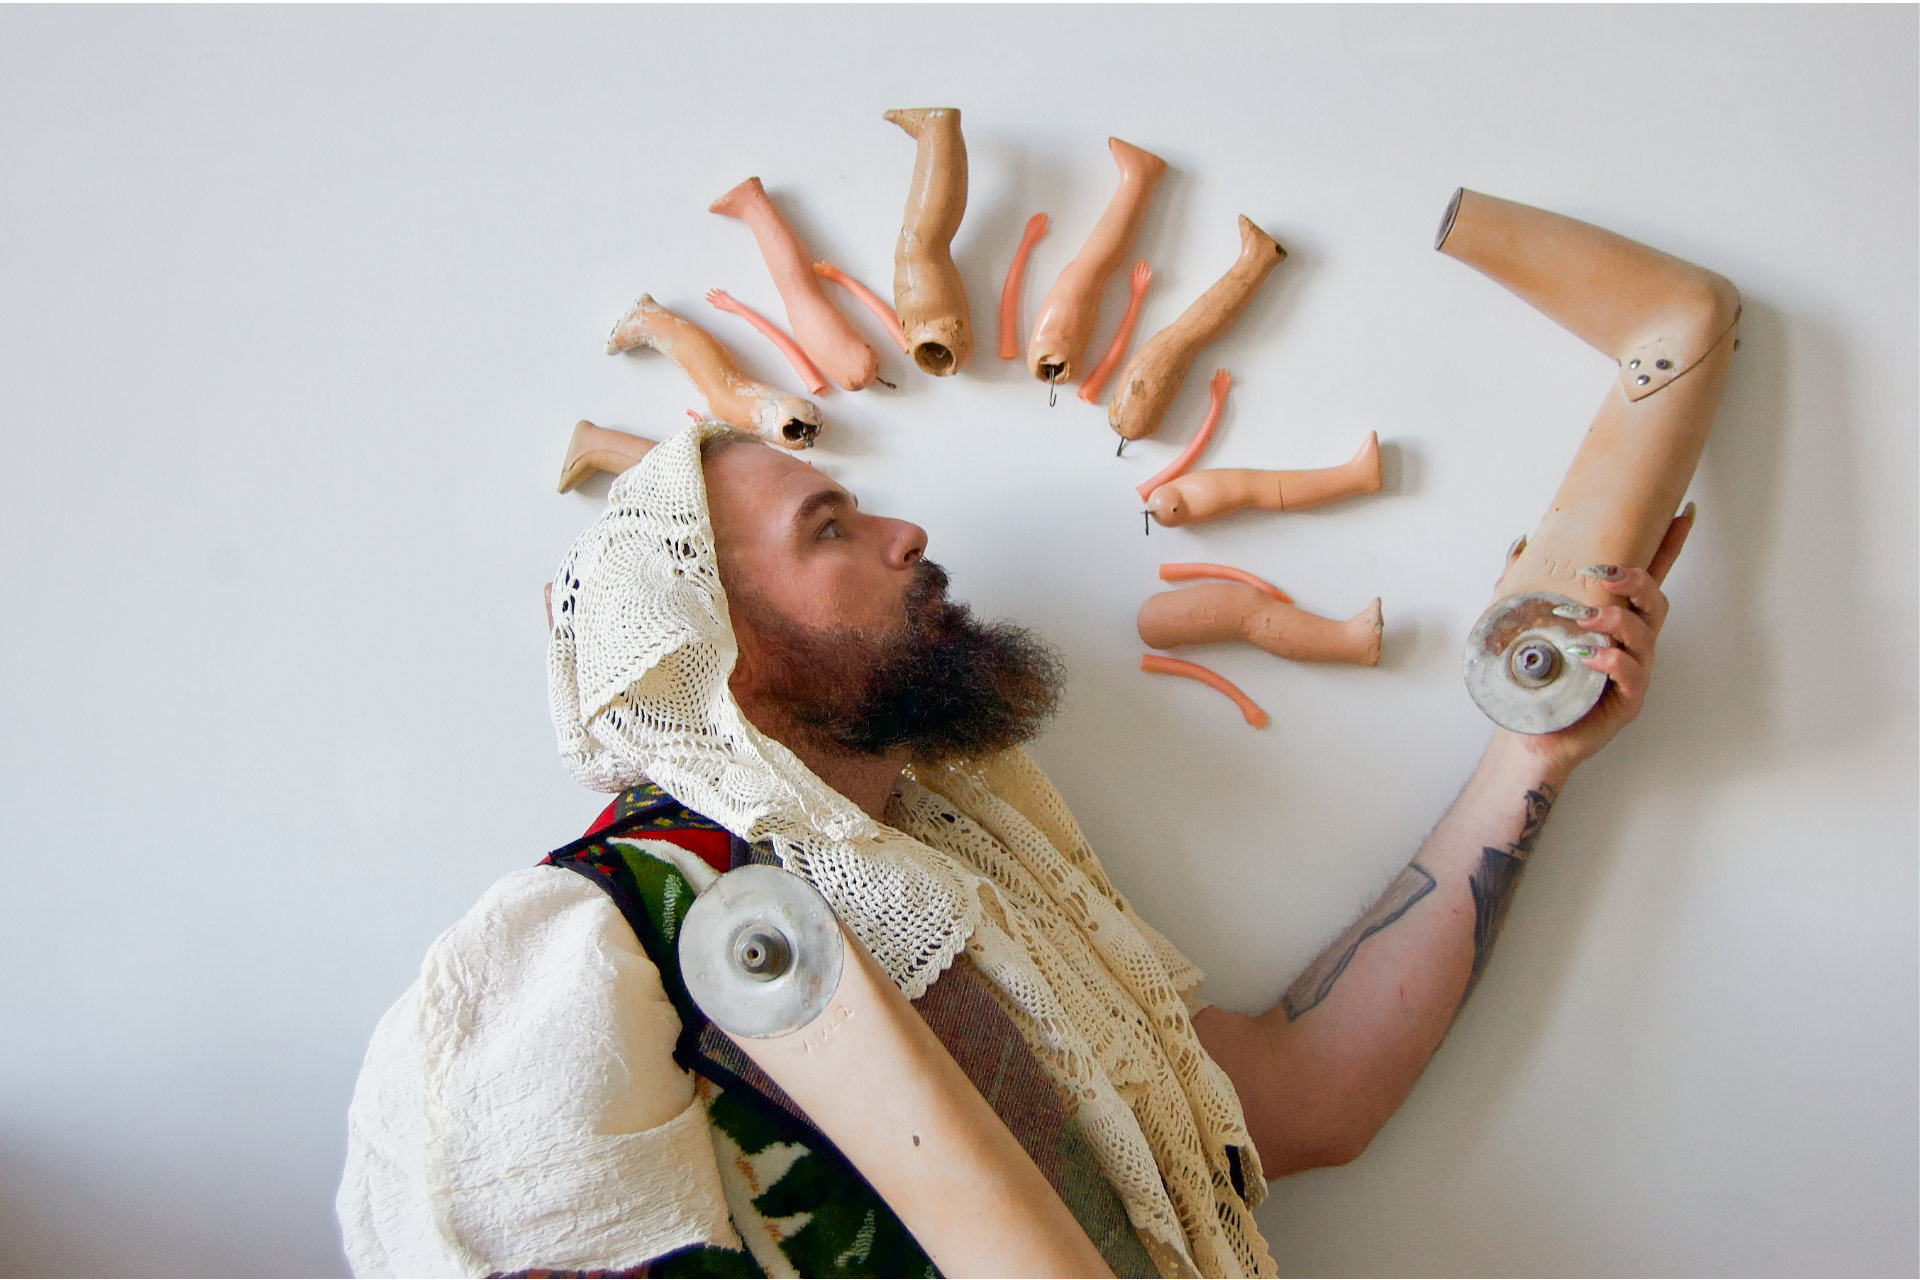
(298, 309)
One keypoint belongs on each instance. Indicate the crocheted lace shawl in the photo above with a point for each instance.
(976, 854)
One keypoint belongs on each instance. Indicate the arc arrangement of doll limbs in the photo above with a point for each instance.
(767, 961)
(1672, 326)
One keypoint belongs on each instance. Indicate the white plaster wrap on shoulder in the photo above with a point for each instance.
(519, 1107)
(977, 854)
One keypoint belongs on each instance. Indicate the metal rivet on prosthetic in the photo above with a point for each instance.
(761, 952)
(1517, 666)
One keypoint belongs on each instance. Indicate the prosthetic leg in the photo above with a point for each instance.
(1672, 327)
(765, 959)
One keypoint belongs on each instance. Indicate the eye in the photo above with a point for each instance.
(831, 529)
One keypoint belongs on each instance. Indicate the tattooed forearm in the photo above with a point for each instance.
(1499, 875)
(1311, 987)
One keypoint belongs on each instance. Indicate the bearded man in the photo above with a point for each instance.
(766, 673)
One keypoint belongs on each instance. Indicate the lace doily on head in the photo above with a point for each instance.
(981, 855)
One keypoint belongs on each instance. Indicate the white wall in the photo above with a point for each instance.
(299, 306)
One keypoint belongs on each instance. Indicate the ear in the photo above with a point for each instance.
(741, 679)
(747, 683)
(744, 681)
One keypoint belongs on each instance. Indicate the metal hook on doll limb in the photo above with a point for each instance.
(1672, 327)
(768, 963)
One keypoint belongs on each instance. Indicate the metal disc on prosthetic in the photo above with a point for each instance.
(1518, 669)
(761, 952)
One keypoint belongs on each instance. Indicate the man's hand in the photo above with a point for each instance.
(1629, 630)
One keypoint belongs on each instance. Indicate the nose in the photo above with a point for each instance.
(906, 543)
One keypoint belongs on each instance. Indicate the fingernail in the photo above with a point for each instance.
(1518, 545)
(1689, 511)
(1588, 646)
(1609, 572)
(1578, 612)
(1581, 650)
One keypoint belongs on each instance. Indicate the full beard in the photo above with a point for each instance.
(942, 686)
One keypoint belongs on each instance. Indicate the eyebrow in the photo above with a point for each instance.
(813, 502)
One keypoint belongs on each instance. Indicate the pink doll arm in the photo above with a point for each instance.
(809, 376)
(1178, 467)
(868, 299)
(1010, 291)
(1090, 389)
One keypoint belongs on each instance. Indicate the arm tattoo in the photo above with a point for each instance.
(1499, 874)
(1311, 987)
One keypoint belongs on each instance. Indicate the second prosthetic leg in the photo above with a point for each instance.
(1672, 327)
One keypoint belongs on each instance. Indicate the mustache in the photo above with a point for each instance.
(926, 597)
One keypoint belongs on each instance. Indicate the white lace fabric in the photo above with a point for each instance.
(982, 855)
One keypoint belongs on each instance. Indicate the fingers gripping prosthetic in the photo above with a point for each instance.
(1672, 327)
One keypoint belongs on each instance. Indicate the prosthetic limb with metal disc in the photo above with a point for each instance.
(766, 960)
(1672, 327)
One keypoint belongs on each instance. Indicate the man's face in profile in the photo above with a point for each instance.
(845, 627)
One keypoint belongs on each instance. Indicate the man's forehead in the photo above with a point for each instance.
(762, 487)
